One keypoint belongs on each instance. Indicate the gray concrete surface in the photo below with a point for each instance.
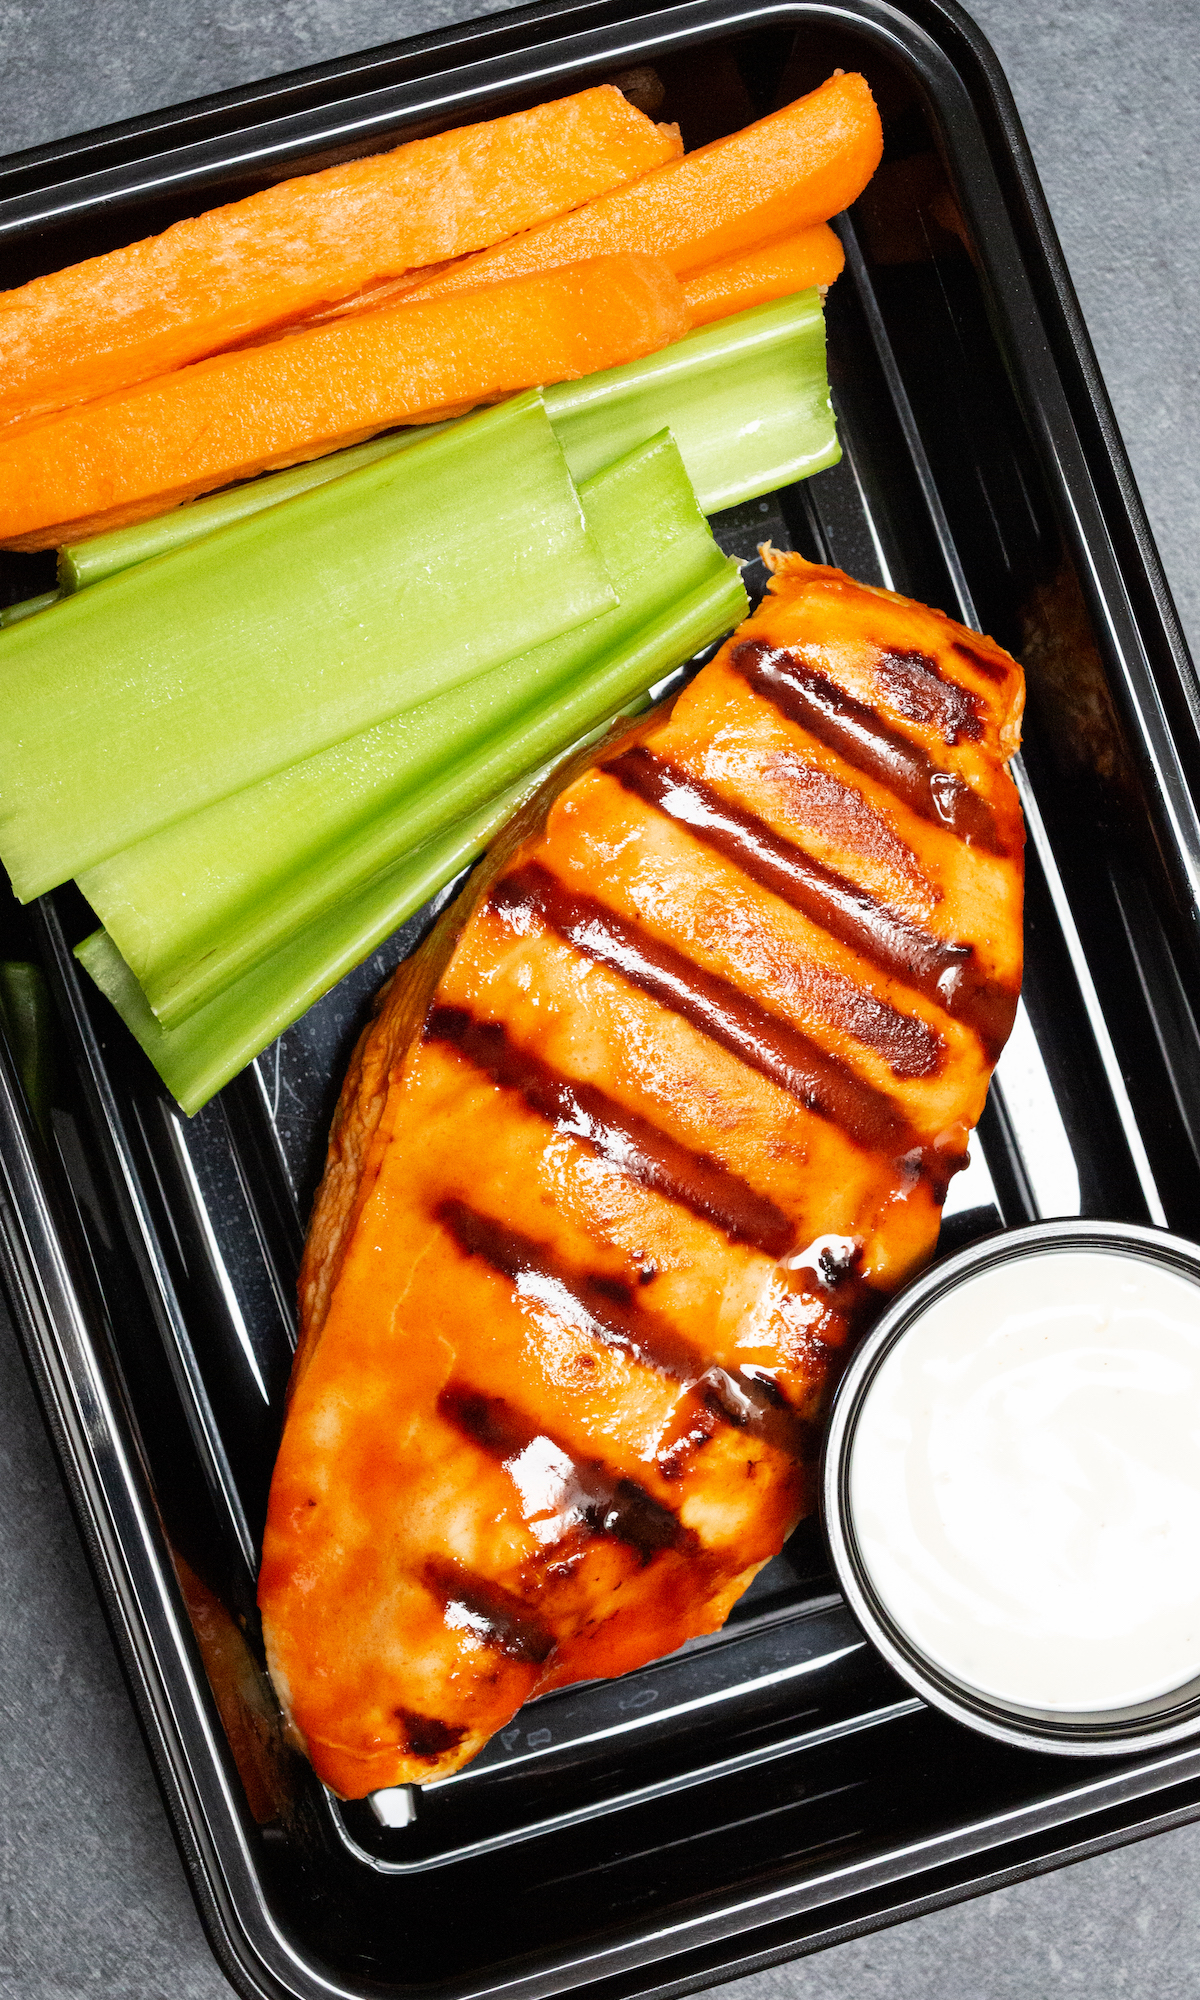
(92, 1898)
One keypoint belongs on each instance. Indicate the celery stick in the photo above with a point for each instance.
(196, 1057)
(625, 670)
(182, 680)
(13, 614)
(747, 401)
(218, 1040)
(27, 1017)
(81, 563)
(179, 901)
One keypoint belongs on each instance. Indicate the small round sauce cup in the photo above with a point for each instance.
(1020, 1257)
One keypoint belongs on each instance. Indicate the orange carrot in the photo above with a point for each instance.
(733, 284)
(748, 276)
(142, 450)
(790, 264)
(384, 293)
(224, 276)
(791, 170)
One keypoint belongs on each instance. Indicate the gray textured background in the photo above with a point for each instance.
(92, 1897)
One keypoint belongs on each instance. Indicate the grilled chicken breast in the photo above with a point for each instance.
(659, 1113)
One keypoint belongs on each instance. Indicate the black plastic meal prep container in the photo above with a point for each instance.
(774, 1788)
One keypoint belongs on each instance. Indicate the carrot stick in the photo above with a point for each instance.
(733, 284)
(224, 276)
(382, 294)
(791, 170)
(148, 447)
(745, 277)
(772, 271)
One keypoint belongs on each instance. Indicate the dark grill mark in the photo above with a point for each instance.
(488, 1421)
(992, 670)
(634, 1516)
(611, 1312)
(944, 973)
(426, 1735)
(494, 1614)
(914, 686)
(907, 1044)
(566, 1493)
(861, 738)
(838, 813)
(608, 1309)
(748, 1402)
(695, 1426)
(729, 1017)
(618, 1135)
(829, 1270)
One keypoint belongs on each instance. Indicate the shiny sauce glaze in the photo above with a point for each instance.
(633, 1148)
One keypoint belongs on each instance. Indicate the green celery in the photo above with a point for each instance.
(193, 906)
(218, 1040)
(747, 401)
(14, 614)
(27, 1016)
(173, 684)
(660, 646)
(196, 1057)
(81, 563)
(746, 397)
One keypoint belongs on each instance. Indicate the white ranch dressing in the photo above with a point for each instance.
(1024, 1481)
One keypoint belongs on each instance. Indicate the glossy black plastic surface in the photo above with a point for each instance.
(774, 1788)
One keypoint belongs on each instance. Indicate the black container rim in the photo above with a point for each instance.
(735, 1932)
(1147, 1726)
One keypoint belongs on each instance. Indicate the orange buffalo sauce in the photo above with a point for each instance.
(635, 1145)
